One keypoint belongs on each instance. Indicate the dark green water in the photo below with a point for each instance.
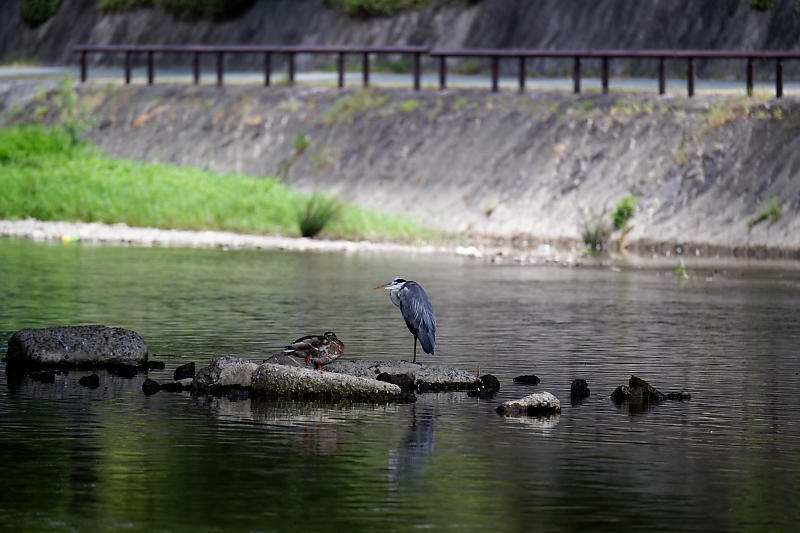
(112, 459)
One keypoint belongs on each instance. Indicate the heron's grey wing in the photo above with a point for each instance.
(418, 314)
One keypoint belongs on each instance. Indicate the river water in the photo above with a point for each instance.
(75, 459)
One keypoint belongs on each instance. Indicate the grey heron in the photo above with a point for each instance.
(416, 309)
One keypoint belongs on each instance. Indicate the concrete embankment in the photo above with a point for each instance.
(501, 168)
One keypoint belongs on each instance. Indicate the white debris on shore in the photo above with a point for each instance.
(99, 233)
(95, 232)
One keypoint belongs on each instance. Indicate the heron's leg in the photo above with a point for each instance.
(415, 348)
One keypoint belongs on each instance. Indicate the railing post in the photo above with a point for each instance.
(290, 59)
(522, 74)
(219, 69)
(416, 70)
(442, 72)
(340, 68)
(83, 66)
(576, 75)
(779, 78)
(150, 70)
(690, 77)
(604, 68)
(662, 76)
(365, 69)
(750, 76)
(495, 73)
(267, 68)
(196, 67)
(127, 67)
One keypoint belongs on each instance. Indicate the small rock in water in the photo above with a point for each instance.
(282, 359)
(528, 379)
(487, 389)
(150, 387)
(124, 371)
(236, 394)
(621, 394)
(155, 365)
(45, 376)
(406, 383)
(679, 396)
(538, 404)
(90, 382)
(184, 371)
(579, 390)
(172, 387)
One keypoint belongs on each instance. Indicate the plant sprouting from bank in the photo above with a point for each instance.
(318, 211)
(680, 271)
(769, 211)
(622, 215)
(36, 12)
(595, 232)
(299, 146)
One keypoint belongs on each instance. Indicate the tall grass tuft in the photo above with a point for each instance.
(319, 211)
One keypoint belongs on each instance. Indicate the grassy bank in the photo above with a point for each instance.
(46, 174)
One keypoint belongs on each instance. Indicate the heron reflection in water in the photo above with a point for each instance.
(416, 309)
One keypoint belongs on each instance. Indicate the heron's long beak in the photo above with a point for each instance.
(384, 286)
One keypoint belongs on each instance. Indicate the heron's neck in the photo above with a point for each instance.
(393, 297)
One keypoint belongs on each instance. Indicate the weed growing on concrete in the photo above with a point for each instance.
(595, 231)
(769, 211)
(346, 107)
(623, 213)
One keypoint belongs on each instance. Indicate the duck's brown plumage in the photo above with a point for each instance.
(317, 349)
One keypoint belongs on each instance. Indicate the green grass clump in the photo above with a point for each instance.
(623, 213)
(46, 174)
(319, 211)
(183, 9)
(770, 211)
(36, 12)
(371, 8)
(595, 231)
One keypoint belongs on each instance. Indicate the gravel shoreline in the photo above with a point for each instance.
(98, 233)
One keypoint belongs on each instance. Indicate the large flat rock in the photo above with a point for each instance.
(428, 378)
(76, 346)
(279, 381)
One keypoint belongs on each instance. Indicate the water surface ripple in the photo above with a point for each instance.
(729, 459)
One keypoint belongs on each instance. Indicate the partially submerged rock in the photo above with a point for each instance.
(578, 390)
(428, 378)
(224, 373)
(76, 346)
(150, 387)
(278, 381)
(283, 359)
(184, 371)
(538, 404)
(91, 381)
(527, 379)
(641, 394)
(489, 386)
(404, 381)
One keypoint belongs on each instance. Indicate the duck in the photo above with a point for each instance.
(317, 349)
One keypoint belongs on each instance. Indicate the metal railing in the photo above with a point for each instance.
(494, 56)
(268, 51)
